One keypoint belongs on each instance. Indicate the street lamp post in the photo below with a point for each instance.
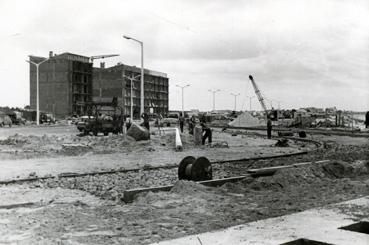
(37, 88)
(183, 87)
(235, 100)
(214, 92)
(251, 97)
(142, 72)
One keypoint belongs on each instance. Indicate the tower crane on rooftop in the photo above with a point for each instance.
(102, 56)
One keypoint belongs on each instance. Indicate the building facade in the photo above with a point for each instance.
(65, 84)
(114, 82)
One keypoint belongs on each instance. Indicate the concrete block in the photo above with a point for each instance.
(138, 133)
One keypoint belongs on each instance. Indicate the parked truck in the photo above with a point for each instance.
(104, 117)
(5, 120)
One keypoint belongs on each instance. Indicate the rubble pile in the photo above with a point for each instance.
(21, 147)
(15, 140)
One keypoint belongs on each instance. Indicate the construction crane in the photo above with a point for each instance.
(102, 56)
(258, 94)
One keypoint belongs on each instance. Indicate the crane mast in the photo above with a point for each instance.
(258, 94)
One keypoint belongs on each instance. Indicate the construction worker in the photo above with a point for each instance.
(128, 123)
(181, 122)
(145, 123)
(367, 119)
(269, 128)
(206, 133)
(191, 124)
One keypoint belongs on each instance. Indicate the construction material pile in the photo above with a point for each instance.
(246, 120)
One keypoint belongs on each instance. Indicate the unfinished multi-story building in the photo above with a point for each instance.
(113, 82)
(65, 84)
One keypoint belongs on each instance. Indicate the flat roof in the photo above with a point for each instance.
(133, 68)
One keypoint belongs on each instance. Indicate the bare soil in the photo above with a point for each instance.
(90, 210)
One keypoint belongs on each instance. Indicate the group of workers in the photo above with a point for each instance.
(206, 130)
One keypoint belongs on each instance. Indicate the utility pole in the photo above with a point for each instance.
(235, 100)
(183, 87)
(131, 78)
(214, 92)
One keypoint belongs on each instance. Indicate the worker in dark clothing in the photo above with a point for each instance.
(207, 134)
(191, 124)
(181, 123)
(145, 123)
(128, 123)
(269, 128)
(367, 119)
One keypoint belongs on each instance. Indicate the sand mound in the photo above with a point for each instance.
(341, 169)
(149, 197)
(246, 120)
(187, 187)
(309, 174)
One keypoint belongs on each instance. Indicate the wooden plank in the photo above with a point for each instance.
(129, 195)
(219, 182)
(274, 169)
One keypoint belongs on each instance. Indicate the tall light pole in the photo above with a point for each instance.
(132, 78)
(37, 88)
(214, 92)
(142, 72)
(251, 97)
(235, 100)
(183, 87)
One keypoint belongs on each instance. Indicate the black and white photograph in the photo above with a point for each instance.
(183, 122)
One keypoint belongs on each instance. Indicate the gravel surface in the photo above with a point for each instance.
(189, 208)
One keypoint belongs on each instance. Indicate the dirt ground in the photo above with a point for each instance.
(52, 153)
(90, 210)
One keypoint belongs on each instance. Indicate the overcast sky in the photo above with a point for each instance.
(301, 53)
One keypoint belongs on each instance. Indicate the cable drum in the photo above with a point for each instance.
(196, 169)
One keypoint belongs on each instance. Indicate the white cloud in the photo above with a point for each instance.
(300, 52)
